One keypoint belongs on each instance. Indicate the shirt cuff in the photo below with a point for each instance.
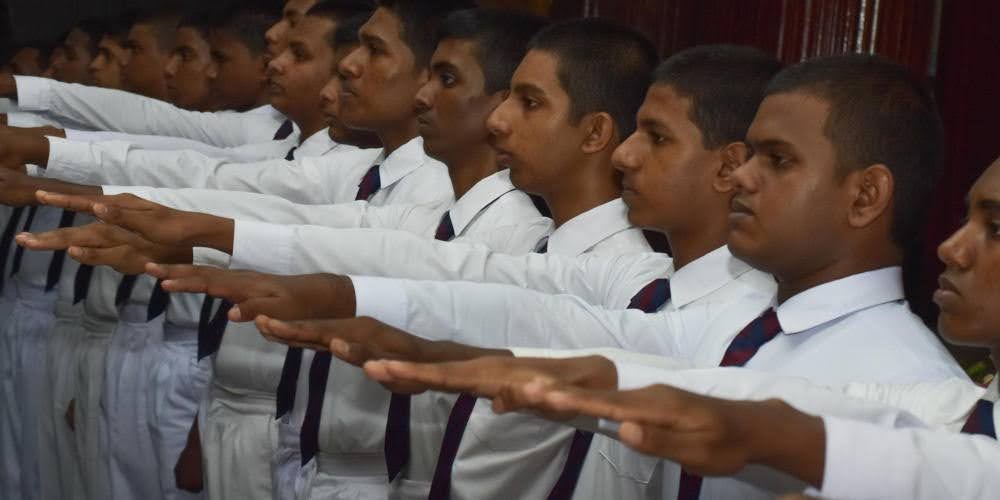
(64, 159)
(262, 246)
(34, 170)
(860, 462)
(33, 93)
(203, 256)
(384, 299)
(23, 119)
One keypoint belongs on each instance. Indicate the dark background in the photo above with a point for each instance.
(955, 44)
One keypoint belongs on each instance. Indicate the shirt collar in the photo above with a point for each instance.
(317, 144)
(829, 301)
(993, 390)
(582, 232)
(402, 161)
(481, 195)
(705, 275)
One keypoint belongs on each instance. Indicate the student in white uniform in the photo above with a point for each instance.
(841, 450)
(139, 114)
(810, 346)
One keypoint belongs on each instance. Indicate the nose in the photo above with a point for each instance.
(170, 70)
(424, 100)
(957, 251)
(745, 178)
(276, 66)
(330, 92)
(626, 155)
(498, 123)
(350, 65)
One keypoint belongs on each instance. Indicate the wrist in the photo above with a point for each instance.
(798, 449)
(340, 300)
(212, 232)
(8, 85)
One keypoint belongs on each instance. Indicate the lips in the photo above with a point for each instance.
(738, 207)
(944, 283)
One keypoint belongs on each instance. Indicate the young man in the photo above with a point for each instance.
(149, 42)
(111, 56)
(79, 49)
(869, 205)
(843, 453)
(189, 71)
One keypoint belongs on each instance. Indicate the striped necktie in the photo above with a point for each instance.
(59, 256)
(319, 371)
(981, 420)
(369, 185)
(15, 264)
(284, 130)
(7, 240)
(397, 427)
(743, 347)
(649, 299)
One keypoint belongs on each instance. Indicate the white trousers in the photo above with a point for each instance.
(91, 430)
(177, 387)
(58, 457)
(133, 467)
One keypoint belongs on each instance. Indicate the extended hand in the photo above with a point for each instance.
(105, 244)
(254, 293)
(154, 222)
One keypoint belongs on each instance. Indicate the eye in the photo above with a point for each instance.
(656, 139)
(529, 103)
(448, 80)
(994, 228)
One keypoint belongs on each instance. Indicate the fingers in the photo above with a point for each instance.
(377, 372)
(295, 334)
(460, 376)
(122, 258)
(73, 203)
(233, 286)
(91, 235)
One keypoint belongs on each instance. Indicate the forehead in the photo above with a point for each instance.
(385, 25)
(987, 187)
(540, 69)
(141, 32)
(795, 118)
(186, 35)
(312, 30)
(457, 52)
(663, 104)
(298, 7)
(77, 38)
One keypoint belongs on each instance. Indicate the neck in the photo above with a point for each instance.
(689, 244)
(393, 138)
(470, 166)
(309, 126)
(593, 184)
(839, 268)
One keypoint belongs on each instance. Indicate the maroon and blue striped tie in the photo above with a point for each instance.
(397, 425)
(743, 347)
(369, 185)
(981, 420)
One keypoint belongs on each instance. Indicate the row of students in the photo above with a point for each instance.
(556, 130)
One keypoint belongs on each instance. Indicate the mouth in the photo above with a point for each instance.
(275, 89)
(945, 284)
(737, 207)
(947, 295)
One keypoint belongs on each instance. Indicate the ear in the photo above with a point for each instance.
(872, 192)
(600, 132)
(731, 157)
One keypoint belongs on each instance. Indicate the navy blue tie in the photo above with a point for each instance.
(15, 265)
(59, 256)
(81, 283)
(158, 301)
(210, 332)
(981, 420)
(7, 240)
(284, 130)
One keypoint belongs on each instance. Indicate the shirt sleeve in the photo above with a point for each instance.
(120, 111)
(502, 316)
(597, 280)
(865, 461)
(159, 142)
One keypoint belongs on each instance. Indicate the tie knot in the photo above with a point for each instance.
(370, 184)
(652, 296)
(445, 230)
(746, 344)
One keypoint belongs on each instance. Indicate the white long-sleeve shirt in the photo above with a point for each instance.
(119, 111)
(122, 163)
(240, 154)
(610, 280)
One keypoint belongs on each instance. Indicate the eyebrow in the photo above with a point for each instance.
(769, 144)
(652, 123)
(444, 66)
(370, 38)
(991, 205)
(527, 88)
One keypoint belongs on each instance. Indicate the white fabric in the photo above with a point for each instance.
(124, 163)
(134, 470)
(240, 154)
(867, 461)
(59, 458)
(408, 176)
(91, 428)
(120, 111)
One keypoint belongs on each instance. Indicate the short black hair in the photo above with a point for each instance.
(603, 67)
(94, 29)
(348, 15)
(880, 112)
(247, 23)
(501, 38)
(164, 21)
(201, 20)
(117, 28)
(420, 19)
(725, 84)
